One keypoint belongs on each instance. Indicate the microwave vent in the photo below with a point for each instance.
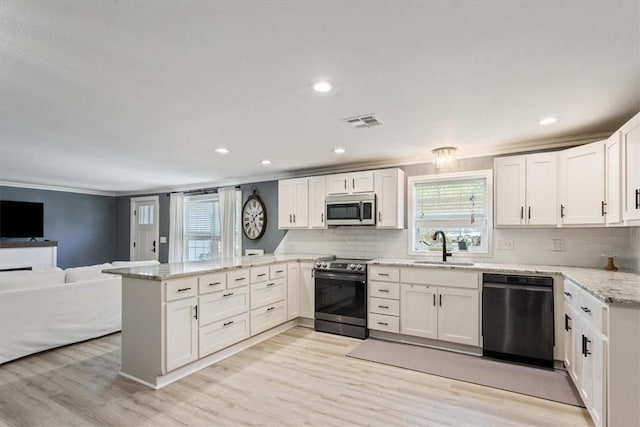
(365, 121)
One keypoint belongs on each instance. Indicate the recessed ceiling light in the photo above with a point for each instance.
(221, 150)
(339, 150)
(548, 121)
(322, 87)
(266, 162)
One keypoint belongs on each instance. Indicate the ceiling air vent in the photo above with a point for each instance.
(365, 121)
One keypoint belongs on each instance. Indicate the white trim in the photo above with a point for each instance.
(132, 224)
(57, 188)
(485, 173)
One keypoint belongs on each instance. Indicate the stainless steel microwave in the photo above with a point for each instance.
(357, 209)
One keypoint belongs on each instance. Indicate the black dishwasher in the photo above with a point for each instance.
(517, 318)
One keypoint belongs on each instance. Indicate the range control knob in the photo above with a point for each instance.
(359, 267)
(318, 265)
(324, 265)
(352, 266)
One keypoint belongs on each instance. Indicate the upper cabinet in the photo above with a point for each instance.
(389, 188)
(582, 185)
(293, 203)
(630, 140)
(350, 183)
(317, 193)
(526, 189)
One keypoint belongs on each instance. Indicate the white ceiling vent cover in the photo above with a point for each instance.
(365, 121)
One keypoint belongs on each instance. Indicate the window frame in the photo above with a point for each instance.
(185, 235)
(413, 180)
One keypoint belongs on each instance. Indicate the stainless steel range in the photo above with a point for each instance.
(341, 297)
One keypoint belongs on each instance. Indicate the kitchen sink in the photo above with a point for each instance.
(442, 263)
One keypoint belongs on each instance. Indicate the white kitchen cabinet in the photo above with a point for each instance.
(350, 183)
(293, 203)
(526, 189)
(419, 311)
(613, 171)
(389, 189)
(317, 194)
(307, 296)
(293, 290)
(267, 317)
(630, 140)
(223, 333)
(181, 332)
(582, 185)
(219, 305)
(592, 386)
(458, 316)
(569, 340)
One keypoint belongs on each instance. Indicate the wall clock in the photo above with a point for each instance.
(254, 216)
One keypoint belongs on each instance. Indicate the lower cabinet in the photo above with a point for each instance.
(181, 332)
(446, 314)
(307, 291)
(223, 333)
(293, 291)
(267, 317)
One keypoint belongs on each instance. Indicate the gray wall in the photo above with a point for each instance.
(84, 225)
(268, 192)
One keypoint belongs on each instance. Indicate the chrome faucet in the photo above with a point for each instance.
(445, 254)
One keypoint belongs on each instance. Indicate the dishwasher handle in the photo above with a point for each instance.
(518, 287)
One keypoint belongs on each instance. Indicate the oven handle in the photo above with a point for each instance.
(339, 276)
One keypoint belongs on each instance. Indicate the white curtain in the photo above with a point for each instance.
(231, 244)
(176, 203)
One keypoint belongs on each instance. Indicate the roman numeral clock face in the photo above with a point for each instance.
(254, 218)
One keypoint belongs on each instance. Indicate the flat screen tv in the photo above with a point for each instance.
(21, 219)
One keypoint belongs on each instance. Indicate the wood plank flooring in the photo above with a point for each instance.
(300, 377)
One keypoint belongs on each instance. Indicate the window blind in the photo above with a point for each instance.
(461, 200)
(202, 218)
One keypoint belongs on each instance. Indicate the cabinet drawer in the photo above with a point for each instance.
(268, 317)
(384, 290)
(267, 292)
(440, 277)
(238, 278)
(277, 271)
(180, 288)
(387, 274)
(593, 312)
(384, 306)
(572, 294)
(212, 282)
(222, 304)
(382, 322)
(222, 334)
(259, 274)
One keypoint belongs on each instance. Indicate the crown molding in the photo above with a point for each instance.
(56, 188)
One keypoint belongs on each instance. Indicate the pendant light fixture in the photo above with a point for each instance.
(444, 157)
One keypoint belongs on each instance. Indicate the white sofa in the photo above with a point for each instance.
(40, 310)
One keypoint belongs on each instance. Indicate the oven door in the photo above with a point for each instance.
(341, 297)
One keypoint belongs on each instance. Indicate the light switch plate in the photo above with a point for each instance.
(163, 239)
(557, 245)
(505, 245)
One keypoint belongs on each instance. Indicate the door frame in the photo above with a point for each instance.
(132, 223)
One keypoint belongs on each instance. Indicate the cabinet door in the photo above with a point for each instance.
(630, 137)
(316, 202)
(458, 316)
(224, 333)
(337, 184)
(510, 190)
(361, 182)
(613, 193)
(293, 291)
(582, 184)
(418, 311)
(307, 295)
(301, 203)
(219, 305)
(389, 184)
(181, 329)
(285, 203)
(542, 189)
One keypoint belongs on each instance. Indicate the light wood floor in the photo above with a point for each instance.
(300, 377)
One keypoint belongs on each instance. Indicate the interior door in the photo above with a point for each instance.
(144, 228)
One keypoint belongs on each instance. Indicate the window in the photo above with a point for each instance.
(201, 228)
(458, 204)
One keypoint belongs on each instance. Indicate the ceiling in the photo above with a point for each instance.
(132, 96)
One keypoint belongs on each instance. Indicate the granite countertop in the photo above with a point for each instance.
(611, 287)
(184, 269)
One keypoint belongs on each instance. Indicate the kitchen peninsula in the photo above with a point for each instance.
(179, 318)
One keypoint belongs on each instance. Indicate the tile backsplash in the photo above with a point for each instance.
(582, 247)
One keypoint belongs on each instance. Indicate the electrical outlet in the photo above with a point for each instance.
(557, 245)
(505, 245)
